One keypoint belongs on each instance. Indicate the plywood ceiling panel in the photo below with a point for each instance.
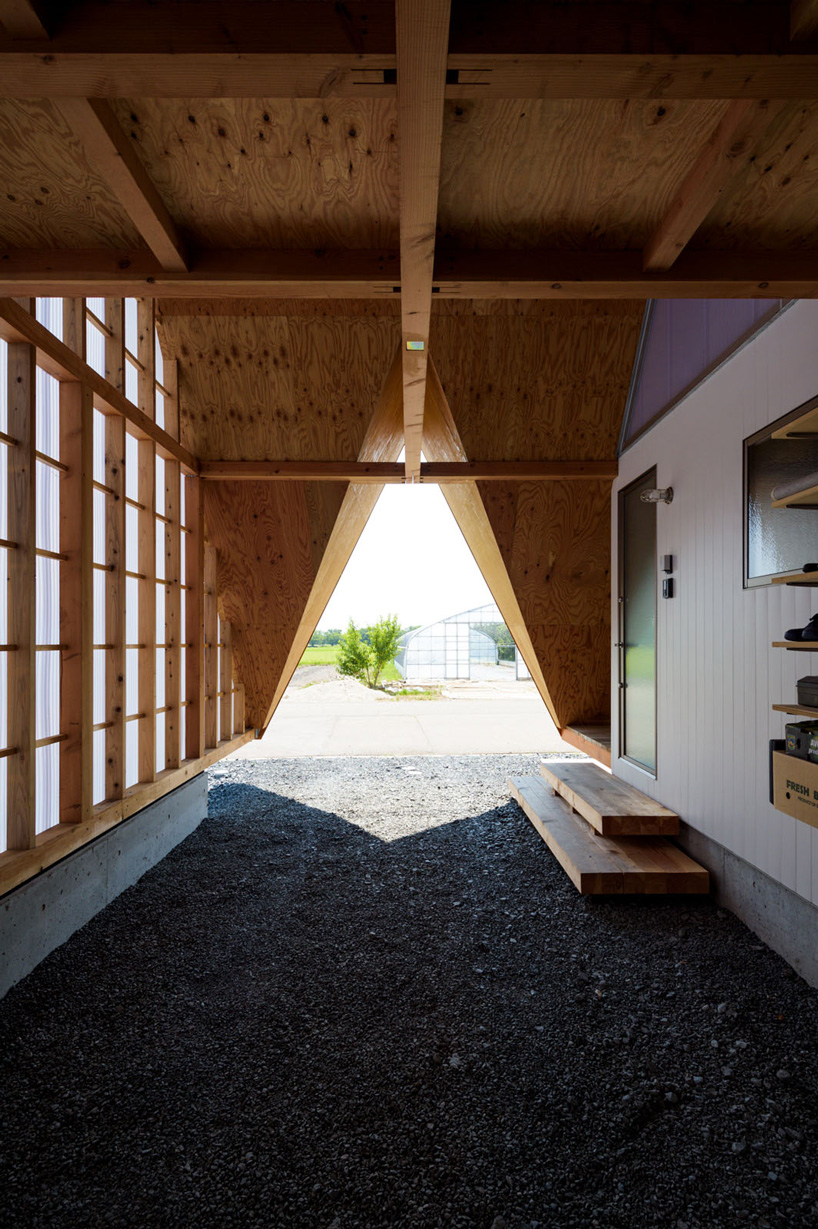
(770, 203)
(574, 173)
(278, 173)
(279, 388)
(50, 195)
(548, 384)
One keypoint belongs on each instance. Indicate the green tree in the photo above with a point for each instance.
(366, 661)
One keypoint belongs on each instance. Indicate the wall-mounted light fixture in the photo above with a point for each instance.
(663, 495)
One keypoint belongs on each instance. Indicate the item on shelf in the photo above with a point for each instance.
(810, 567)
(807, 690)
(802, 740)
(794, 487)
(810, 632)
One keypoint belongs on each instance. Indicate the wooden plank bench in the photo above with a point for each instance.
(605, 866)
(611, 806)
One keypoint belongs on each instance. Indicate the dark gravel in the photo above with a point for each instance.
(363, 994)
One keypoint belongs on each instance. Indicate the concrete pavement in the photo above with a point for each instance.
(342, 718)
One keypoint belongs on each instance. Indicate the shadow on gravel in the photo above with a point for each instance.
(294, 1022)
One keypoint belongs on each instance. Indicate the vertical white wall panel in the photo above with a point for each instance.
(717, 674)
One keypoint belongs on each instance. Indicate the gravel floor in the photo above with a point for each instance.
(364, 995)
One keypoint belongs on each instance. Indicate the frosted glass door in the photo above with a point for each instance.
(637, 606)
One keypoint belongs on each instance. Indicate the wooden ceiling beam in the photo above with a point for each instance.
(563, 274)
(393, 472)
(538, 274)
(422, 38)
(742, 124)
(20, 19)
(631, 76)
(112, 155)
(226, 74)
(349, 274)
(803, 19)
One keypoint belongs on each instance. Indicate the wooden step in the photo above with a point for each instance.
(593, 740)
(605, 866)
(611, 806)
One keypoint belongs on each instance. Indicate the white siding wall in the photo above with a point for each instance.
(717, 673)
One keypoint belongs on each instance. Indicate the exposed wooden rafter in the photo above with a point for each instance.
(743, 122)
(422, 37)
(537, 274)
(110, 152)
(20, 19)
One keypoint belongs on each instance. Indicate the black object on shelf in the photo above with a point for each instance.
(807, 690)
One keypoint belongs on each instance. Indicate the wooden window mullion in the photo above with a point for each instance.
(146, 532)
(173, 617)
(146, 353)
(73, 325)
(76, 602)
(115, 606)
(211, 651)
(226, 682)
(194, 620)
(22, 581)
(238, 709)
(115, 343)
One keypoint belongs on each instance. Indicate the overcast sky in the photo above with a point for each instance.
(411, 560)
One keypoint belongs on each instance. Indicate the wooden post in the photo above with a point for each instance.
(226, 683)
(146, 354)
(238, 710)
(146, 534)
(171, 384)
(115, 343)
(194, 621)
(211, 636)
(173, 617)
(115, 606)
(73, 325)
(76, 602)
(22, 594)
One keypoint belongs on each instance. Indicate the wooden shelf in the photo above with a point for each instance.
(807, 424)
(798, 710)
(800, 646)
(805, 580)
(807, 498)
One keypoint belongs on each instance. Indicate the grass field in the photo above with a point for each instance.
(324, 655)
(327, 655)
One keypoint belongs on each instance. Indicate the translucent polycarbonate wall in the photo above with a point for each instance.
(472, 645)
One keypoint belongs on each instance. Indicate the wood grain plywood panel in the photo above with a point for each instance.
(555, 542)
(276, 173)
(51, 197)
(269, 539)
(543, 385)
(771, 200)
(279, 388)
(570, 173)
